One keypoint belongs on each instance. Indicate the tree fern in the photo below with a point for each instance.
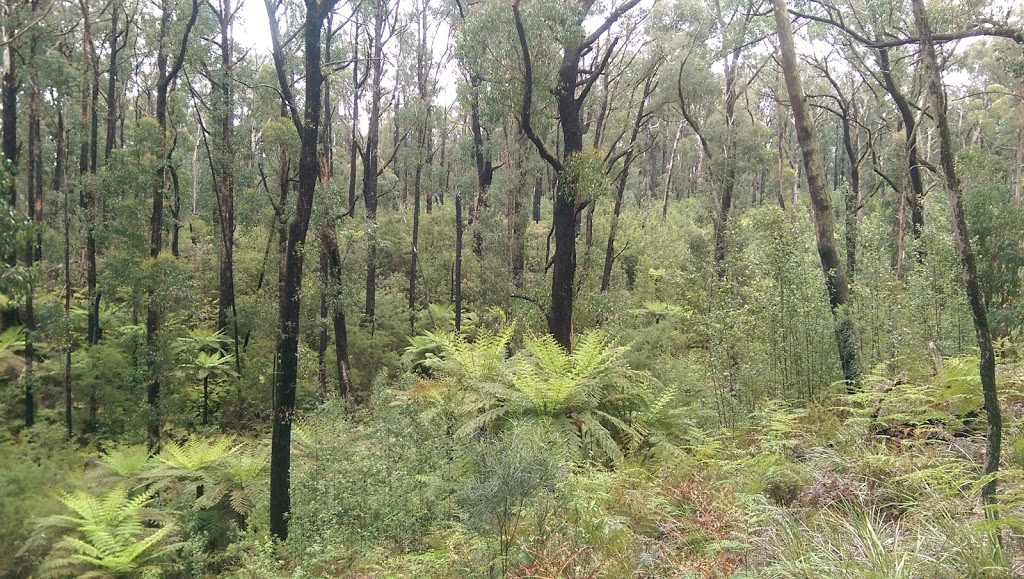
(590, 395)
(106, 536)
(127, 461)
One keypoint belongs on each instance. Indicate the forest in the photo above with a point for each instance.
(511, 288)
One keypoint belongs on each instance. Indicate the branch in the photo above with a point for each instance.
(282, 79)
(589, 83)
(615, 15)
(179, 59)
(533, 301)
(524, 114)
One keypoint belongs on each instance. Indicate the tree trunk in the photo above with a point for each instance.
(729, 175)
(225, 186)
(34, 190)
(515, 217)
(297, 227)
(414, 257)
(67, 313)
(671, 171)
(915, 196)
(609, 253)
(538, 196)
(329, 243)
(821, 204)
(987, 362)
(457, 282)
(484, 167)
(164, 80)
(115, 35)
(1018, 172)
(371, 156)
(9, 90)
(567, 200)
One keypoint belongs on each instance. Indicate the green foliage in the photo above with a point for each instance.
(38, 469)
(589, 395)
(107, 536)
(513, 472)
(379, 483)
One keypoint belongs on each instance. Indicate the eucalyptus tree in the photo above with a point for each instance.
(646, 85)
(979, 313)
(426, 73)
(87, 161)
(737, 28)
(821, 205)
(572, 87)
(881, 28)
(307, 124)
(843, 103)
(221, 156)
(382, 26)
(169, 61)
(331, 306)
(9, 102)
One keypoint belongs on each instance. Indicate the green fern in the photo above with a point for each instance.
(12, 338)
(589, 396)
(127, 461)
(107, 536)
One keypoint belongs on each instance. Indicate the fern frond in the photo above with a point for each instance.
(127, 461)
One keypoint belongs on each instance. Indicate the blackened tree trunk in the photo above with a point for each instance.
(729, 173)
(821, 204)
(87, 173)
(371, 152)
(915, 196)
(35, 187)
(571, 92)
(357, 92)
(344, 369)
(298, 225)
(9, 89)
(457, 282)
(538, 196)
(516, 218)
(424, 143)
(225, 185)
(987, 362)
(482, 161)
(167, 70)
(116, 33)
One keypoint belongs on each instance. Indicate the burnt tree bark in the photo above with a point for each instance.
(571, 91)
(308, 127)
(167, 71)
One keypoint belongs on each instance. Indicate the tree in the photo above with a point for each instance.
(979, 313)
(167, 71)
(384, 22)
(821, 204)
(308, 127)
(571, 92)
(641, 118)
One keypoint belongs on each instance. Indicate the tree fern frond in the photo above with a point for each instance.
(595, 433)
(127, 461)
(478, 423)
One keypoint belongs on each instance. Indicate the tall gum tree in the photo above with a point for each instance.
(308, 127)
(572, 87)
(821, 203)
(962, 237)
(167, 70)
